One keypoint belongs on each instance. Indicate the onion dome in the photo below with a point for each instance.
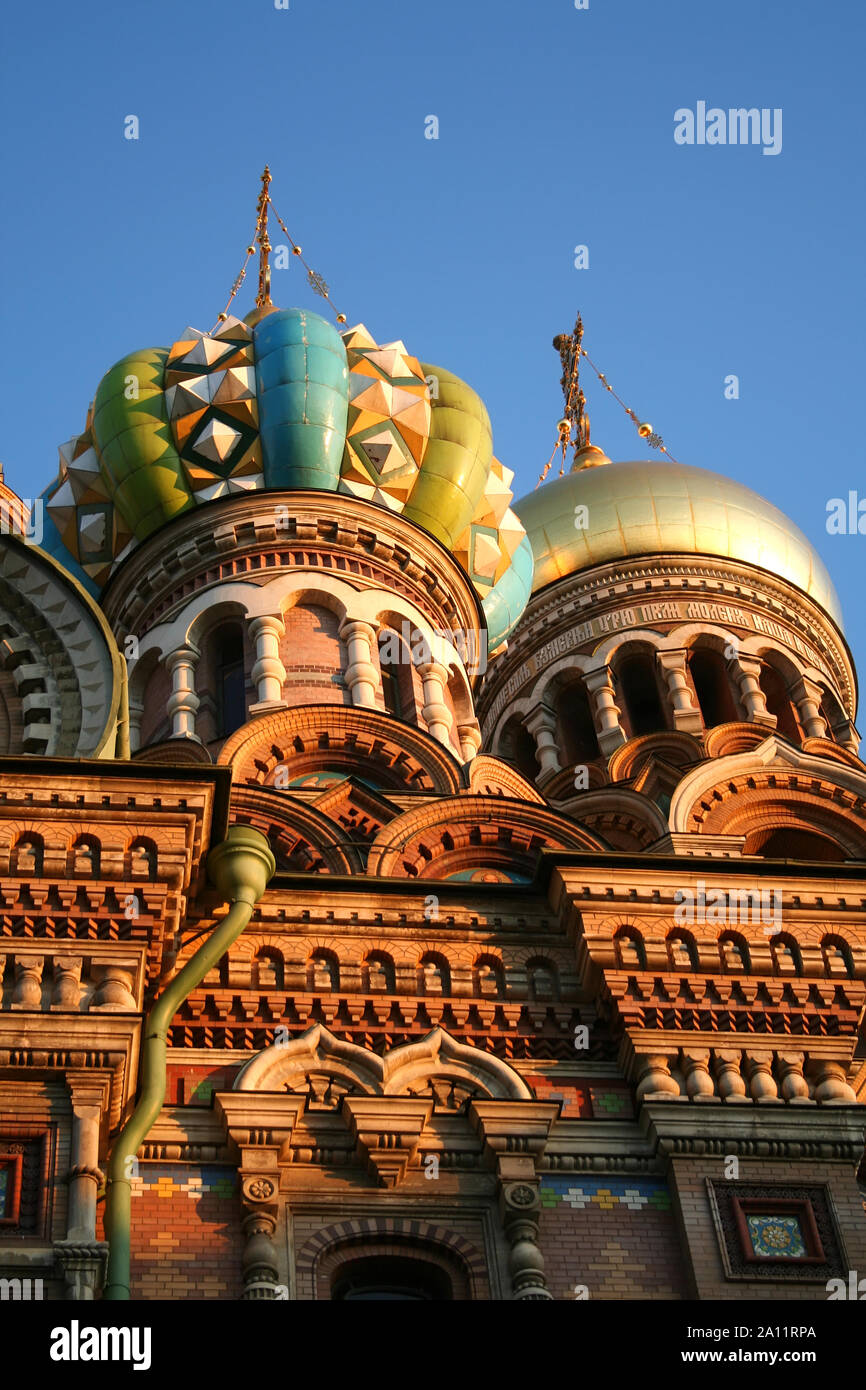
(288, 402)
(596, 514)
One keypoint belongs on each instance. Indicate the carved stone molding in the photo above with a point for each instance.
(82, 1266)
(387, 1131)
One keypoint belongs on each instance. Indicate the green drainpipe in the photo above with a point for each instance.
(241, 868)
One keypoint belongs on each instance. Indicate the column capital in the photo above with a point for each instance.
(185, 655)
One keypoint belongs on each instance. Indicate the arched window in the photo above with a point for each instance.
(793, 843)
(639, 692)
(838, 959)
(577, 726)
(488, 978)
(710, 678)
(543, 979)
(434, 976)
(391, 1278)
(142, 859)
(390, 668)
(268, 972)
(734, 952)
(682, 952)
(786, 955)
(323, 972)
(86, 856)
(629, 947)
(230, 681)
(379, 973)
(518, 747)
(28, 855)
(778, 700)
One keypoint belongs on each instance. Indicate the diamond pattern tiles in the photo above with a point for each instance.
(82, 510)
(486, 547)
(389, 420)
(210, 394)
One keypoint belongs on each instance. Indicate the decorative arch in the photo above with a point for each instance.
(725, 740)
(302, 838)
(319, 1257)
(624, 819)
(489, 776)
(467, 832)
(309, 738)
(774, 784)
(346, 1069)
(679, 750)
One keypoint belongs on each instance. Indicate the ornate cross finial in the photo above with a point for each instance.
(263, 298)
(574, 425)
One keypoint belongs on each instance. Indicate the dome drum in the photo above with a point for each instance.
(641, 646)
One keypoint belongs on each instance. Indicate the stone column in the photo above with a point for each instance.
(807, 697)
(611, 734)
(268, 671)
(136, 712)
(362, 677)
(27, 990)
(729, 1080)
(515, 1134)
(829, 1080)
(542, 725)
(88, 1101)
(435, 711)
(259, 1259)
(847, 736)
(66, 994)
(521, 1207)
(654, 1080)
(699, 1082)
(747, 671)
(469, 736)
(762, 1083)
(183, 702)
(673, 667)
(793, 1084)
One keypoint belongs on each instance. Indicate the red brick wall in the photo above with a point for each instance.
(615, 1236)
(313, 656)
(186, 1232)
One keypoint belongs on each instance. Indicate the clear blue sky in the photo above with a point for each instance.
(556, 129)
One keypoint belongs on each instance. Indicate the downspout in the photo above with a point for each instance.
(241, 868)
(122, 744)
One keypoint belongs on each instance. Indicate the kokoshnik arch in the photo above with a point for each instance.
(433, 1025)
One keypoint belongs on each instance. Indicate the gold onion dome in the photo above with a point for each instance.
(661, 508)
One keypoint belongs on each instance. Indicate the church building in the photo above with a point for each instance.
(408, 892)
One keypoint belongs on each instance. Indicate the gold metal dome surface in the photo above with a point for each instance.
(656, 508)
